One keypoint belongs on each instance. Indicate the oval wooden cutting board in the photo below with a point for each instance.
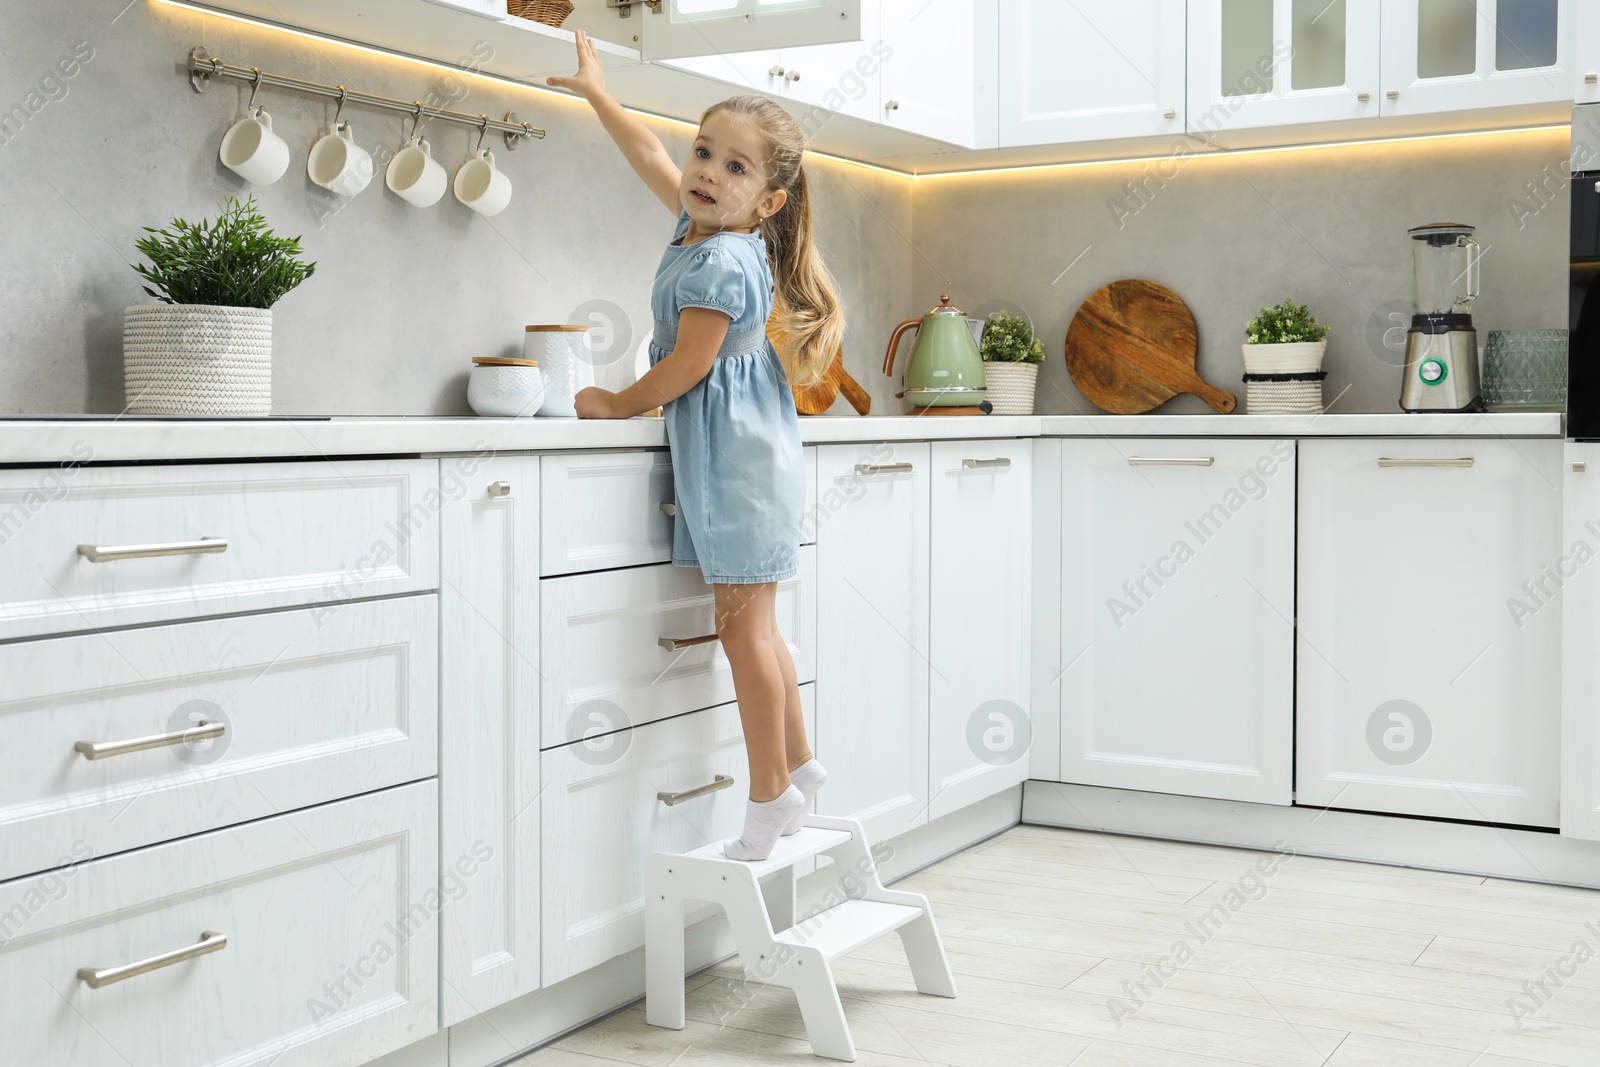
(1132, 347)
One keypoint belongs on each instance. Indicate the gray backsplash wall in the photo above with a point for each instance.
(402, 298)
(1325, 227)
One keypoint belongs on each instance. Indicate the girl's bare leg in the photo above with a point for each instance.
(745, 625)
(795, 745)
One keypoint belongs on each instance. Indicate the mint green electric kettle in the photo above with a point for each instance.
(945, 369)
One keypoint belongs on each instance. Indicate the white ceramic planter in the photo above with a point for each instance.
(197, 359)
(1299, 357)
(1009, 387)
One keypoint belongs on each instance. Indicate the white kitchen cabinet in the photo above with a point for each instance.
(1586, 51)
(709, 27)
(266, 713)
(1461, 55)
(327, 954)
(605, 808)
(981, 519)
(489, 715)
(1076, 72)
(872, 633)
(1429, 654)
(637, 644)
(942, 62)
(1256, 63)
(1574, 574)
(604, 509)
(1177, 608)
(842, 77)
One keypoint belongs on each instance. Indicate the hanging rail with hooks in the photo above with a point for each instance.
(203, 67)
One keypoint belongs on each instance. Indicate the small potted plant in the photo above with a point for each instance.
(1011, 358)
(207, 348)
(1283, 361)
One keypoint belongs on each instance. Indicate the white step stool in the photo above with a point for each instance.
(773, 948)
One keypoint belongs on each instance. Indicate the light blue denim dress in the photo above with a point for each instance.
(737, 466)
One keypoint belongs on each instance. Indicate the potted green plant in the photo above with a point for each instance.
(1283, 355)
(206, 349)
(1011, 358)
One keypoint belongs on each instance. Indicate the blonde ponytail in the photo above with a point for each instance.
(806, 302)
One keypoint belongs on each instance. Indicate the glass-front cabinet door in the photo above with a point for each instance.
(1255, 63)
(1458, 55)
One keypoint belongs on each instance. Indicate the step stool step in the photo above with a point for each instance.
(786, 853)
(845, 927)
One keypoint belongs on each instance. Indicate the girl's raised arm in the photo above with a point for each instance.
(642, 149)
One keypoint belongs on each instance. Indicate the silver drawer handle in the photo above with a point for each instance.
(669, 507)
(1579, 466)
(677, 644)
(499, 488)
(974, 464)
(210, 941)
(881, 468)
(721, 781)
(1464, 461)
(105, 554)
(1179, 461)
(202, 731)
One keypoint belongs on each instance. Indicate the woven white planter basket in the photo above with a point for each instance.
(1283, 398)
(197, 359)
(1009, 387)
(1297, 358)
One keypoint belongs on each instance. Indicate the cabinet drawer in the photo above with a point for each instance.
(313, 705)
(593, 882)
(300, 533)
(601, 660)
(604, 509)
(331, 953)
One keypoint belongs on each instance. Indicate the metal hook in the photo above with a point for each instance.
(483, 128)
(338, 114)
(255, 87)
(416, 119)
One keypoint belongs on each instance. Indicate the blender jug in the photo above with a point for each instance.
(1441, 371)
(1446, 259)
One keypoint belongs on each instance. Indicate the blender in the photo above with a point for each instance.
(1441, 372)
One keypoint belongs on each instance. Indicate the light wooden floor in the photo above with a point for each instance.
(1326, 963)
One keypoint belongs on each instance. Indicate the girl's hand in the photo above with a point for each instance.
(590, 79)
(593, 402)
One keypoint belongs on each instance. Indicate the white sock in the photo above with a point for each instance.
(809, 777)
(763, 821)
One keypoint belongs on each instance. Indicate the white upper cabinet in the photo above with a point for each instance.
(709, 27)
(1586, 51)
(1259, 63)
(1091, 70)
(1460, 55)
(938, 62)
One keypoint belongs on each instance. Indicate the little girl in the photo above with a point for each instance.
(744, 217)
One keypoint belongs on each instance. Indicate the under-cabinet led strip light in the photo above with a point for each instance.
(1198, 151)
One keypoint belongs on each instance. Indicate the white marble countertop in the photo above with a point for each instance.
(47, 439)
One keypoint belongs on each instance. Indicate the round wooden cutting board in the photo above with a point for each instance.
(1132, 347)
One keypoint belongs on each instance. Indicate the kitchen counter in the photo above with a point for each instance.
(47, 440)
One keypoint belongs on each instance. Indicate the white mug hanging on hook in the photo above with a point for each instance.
(337, 163)
(415, 176)
(479, 184)
(250, 149)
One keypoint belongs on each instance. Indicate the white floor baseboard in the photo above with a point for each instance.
(1397, 840)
